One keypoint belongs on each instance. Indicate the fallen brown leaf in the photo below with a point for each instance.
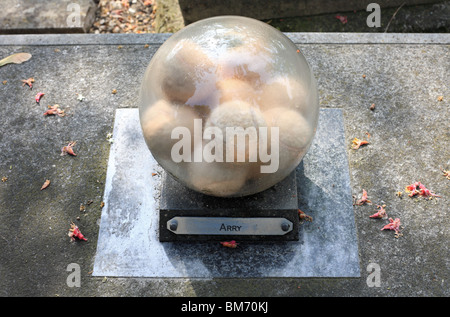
(17, 58)
(46, 184)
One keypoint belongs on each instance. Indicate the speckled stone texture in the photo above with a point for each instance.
(405, 74)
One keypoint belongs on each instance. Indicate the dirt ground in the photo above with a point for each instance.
(135, 16)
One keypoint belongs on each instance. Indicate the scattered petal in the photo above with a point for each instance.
(74, 232)
(229, 244)
(39, 96)
(28, 82)
(357, 143)
(4, 179)
(80, 97)
(446, 173)
(380, 214)
(363, 199)
(54, 110)
(46, 184)
(393, 225)
(304, 216)
(341, 18)
(418, 188)
(68, 149)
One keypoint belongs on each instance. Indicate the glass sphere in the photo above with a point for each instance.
(228, 106)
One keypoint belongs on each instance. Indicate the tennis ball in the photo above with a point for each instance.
(245, 121)
(220, 179)
(186, 67)
(294, 136)
(158, 122)
(235, 89)
(248, 63)
(283, 92)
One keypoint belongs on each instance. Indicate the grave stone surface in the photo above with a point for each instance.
(404, 76)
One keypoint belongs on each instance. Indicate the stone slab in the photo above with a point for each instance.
(128, 243)
(405, 74)
(46, 16)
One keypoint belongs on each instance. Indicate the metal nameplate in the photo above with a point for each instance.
(229, 226)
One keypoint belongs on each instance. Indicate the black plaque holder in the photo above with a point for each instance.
(279, 201)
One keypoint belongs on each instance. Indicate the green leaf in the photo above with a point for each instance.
(17, 58)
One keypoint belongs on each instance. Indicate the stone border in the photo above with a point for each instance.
(159, 38)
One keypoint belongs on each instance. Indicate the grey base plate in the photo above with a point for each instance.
(128, 244)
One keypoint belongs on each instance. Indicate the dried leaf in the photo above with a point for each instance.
(357, 143)
(17, 58)
(446, 173)
(46, 184)
(68, 149)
